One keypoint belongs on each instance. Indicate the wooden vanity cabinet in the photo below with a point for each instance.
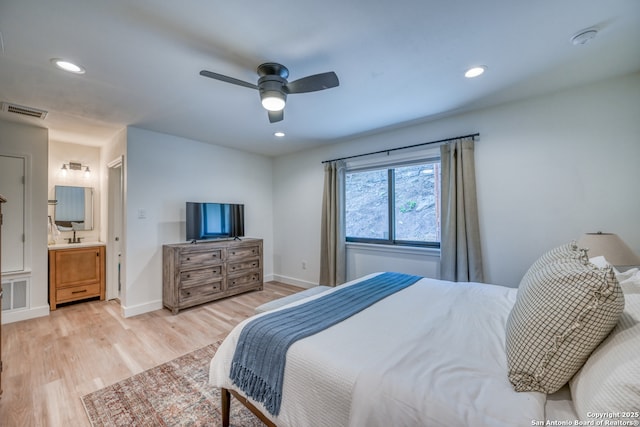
(76, 274)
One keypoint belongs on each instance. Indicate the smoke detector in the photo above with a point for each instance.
(584, 36)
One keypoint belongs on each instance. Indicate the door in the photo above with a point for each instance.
(115, 232)
(12, 173)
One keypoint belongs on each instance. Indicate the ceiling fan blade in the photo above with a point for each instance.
(227, 79)
(276, 116)
(313, 83)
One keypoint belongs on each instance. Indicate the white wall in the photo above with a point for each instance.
(162, 173)
(548, 170)
(31, 142)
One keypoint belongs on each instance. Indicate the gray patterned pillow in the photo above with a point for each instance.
(563, 310)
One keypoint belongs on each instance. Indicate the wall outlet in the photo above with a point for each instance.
(142, 214)
(304, 265)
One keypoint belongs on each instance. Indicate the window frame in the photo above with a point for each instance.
(390, 166)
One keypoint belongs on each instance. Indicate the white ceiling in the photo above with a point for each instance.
(397, 61)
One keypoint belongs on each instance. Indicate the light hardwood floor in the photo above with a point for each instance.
(50, 362)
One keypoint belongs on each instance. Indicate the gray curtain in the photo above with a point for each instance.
(333, 264)
(460, 253)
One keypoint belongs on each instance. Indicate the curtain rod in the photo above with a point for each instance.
(473, 135)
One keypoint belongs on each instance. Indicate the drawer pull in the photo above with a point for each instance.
(79, 292)
(188, 276)
(188, 259)
(188, 293)
(254, 264)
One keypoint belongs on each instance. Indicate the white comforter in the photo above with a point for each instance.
(430, 355)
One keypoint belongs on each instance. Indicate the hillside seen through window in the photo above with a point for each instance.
(398, 205)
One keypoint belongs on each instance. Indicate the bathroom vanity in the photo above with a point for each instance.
(76, 272)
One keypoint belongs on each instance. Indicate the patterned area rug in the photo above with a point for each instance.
(175, 393)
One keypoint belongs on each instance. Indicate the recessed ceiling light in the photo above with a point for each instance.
(279, 134)
(475, 71)
(68, 66)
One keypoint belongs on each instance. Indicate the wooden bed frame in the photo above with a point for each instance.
(225, 395)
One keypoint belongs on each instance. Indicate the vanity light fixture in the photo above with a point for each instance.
(279, 134)
(75, 166)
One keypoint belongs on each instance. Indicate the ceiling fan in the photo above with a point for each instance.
(274, 87)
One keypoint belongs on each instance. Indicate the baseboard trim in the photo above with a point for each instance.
(19, 315)
(135, 310)
(294, 282)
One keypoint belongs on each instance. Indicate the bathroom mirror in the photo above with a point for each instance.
(74, 208)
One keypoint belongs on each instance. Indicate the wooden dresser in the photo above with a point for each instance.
(195, 273)
(2, 200)
(76, 273)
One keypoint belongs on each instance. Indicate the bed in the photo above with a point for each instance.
(433, 353)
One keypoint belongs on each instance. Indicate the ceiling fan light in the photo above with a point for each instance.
(273, 101)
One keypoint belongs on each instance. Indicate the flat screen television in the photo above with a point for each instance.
(214, 220)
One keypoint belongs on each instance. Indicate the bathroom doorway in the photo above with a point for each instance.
(115, 243)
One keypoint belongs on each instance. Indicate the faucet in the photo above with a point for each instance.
(74, 239)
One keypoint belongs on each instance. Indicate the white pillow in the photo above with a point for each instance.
(609, 382)
(630, 281)
(599, 261)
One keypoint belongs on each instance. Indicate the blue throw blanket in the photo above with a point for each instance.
(258, 362)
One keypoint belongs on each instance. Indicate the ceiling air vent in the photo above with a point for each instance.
(25, 111)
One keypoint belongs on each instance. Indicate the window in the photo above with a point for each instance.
(396, 205)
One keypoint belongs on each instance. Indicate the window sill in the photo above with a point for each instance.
(397, 249)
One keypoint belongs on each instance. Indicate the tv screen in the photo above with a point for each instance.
(214, 220)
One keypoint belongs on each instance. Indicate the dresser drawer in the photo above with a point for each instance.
(244, 280)
(200, 292)
(243, 252)
(189, 259)
(203, 275)
(77, 292)
(236, 267)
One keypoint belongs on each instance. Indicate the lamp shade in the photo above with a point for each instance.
(609, 245)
